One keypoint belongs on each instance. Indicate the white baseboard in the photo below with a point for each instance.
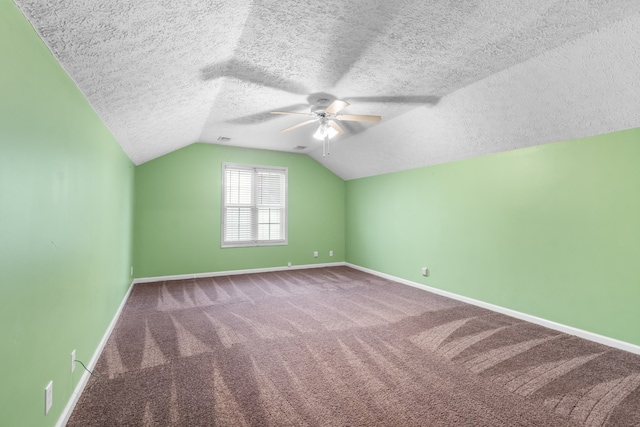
(73, 400)
(611, 342)
(234, 272)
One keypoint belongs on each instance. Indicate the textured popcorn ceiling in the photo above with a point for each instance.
(450, 79)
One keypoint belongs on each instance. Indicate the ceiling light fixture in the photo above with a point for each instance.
(325, 133)
(325, 130)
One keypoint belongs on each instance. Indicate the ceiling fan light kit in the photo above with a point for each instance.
(327, 115)
(325, 131)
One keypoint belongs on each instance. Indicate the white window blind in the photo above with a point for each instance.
(254, 205)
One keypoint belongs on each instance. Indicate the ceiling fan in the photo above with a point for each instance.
(327, 115)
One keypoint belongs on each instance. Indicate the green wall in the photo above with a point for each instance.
(66, 200)
(552, 231)
(177, 213)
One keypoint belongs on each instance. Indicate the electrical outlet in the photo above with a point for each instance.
(425, 271)
(315, 254)
(131, 271)
(48, 397)
(73, 361)
(289, 264)
(330, 253)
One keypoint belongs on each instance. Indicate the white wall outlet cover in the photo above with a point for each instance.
(315, 254)
(48, 397)
(425, 271)
(73, 361)
(288, 264)
(330, 253)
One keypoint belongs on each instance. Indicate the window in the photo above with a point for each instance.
(254, 205)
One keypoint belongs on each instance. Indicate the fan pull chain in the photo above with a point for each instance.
(325, 146)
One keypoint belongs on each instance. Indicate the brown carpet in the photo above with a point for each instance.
(338, 347)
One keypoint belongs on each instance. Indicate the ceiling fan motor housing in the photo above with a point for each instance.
(320, 105)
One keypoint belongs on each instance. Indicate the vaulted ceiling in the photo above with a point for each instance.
(451, 79)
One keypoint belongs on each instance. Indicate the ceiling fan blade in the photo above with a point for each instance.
(336, 127)
(336, 106)
(291, 112)
(358, 118)
(299, 125)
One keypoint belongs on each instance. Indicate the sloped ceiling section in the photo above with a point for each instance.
(451, 80)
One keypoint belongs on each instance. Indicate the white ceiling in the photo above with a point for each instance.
(450, 79)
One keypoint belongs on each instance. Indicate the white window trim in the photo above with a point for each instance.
(252, 243)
